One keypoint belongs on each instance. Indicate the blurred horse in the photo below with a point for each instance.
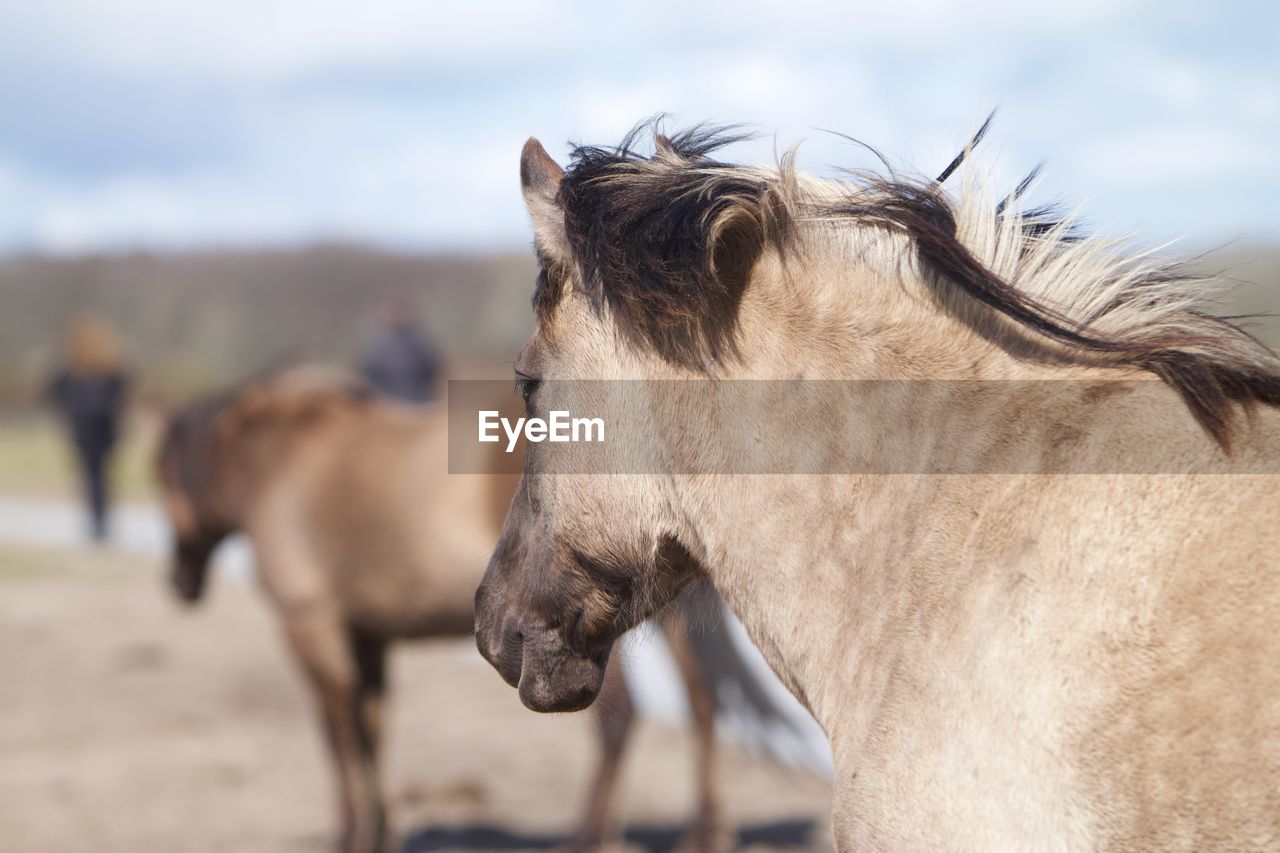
(363, 537)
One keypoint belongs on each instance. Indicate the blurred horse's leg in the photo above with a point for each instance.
(615, 712)
(321, 640)
(371, 666)
(704, 834)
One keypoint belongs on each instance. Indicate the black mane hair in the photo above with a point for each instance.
(668, 241)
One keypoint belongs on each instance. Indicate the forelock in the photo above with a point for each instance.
(665, 241)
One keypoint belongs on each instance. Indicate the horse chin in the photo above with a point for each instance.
(555, 680)
(188, 584)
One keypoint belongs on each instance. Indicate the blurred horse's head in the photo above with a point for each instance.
(215, 451)
(185, 468)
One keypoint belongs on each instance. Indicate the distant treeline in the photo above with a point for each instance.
(192, 321)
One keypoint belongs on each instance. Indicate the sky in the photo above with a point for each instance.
(239, 123)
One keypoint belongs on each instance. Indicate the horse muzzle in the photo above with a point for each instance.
(187, 581)
(549, 674)
(554, 678)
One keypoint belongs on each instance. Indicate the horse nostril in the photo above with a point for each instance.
(508, 656)
(512, 642)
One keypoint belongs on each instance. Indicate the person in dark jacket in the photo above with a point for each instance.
(89, 392)
(401, 363)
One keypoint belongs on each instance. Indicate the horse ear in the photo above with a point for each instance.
(540, 180)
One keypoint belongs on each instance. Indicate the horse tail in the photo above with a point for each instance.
(750, 702)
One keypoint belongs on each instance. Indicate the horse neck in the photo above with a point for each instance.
(248, 463)
(833, 318)
(808, 561)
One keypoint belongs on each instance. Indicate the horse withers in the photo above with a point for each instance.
(1033, 599)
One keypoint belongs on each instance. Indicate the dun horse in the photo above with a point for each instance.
(361, 538)
(1068, 641)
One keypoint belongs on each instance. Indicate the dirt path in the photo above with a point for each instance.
(129, 724)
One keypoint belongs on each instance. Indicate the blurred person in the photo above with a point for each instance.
(401, 363)
(88, 390)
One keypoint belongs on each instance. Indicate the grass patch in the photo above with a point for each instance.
(23, 562)
(37, 460)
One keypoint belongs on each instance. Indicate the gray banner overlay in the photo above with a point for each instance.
(943, 427)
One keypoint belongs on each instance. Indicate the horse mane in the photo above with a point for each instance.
(285, 398)
(666, 242)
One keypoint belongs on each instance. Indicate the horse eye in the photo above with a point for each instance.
(526, 385)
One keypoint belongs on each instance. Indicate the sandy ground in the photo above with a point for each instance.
(127, 723)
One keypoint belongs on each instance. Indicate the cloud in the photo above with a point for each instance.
(249, 40)
(1189, 154)
(154, 123)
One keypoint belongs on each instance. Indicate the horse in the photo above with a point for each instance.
(1035, 605)
(362, 537)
